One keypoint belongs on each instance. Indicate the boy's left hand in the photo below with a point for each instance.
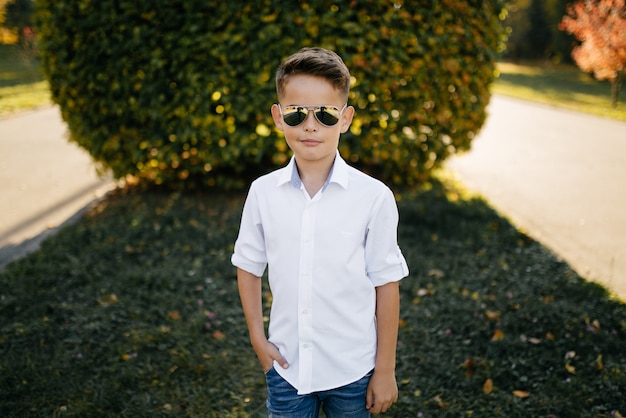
(382, 392)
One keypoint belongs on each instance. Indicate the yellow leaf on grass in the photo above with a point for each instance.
(521, 394)
(219, 335)
(492, 315)
(488, 386)
(497, 336)
(440, 402)
(175, 315)
(599, 363)
(571, 369)
(436, 273)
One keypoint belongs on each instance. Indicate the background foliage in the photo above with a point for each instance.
(181, 90)
(533, 32)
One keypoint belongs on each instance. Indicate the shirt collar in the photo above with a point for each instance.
(338, 174)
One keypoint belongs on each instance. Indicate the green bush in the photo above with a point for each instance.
(179, 91)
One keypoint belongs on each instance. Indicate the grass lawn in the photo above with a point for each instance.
(134, 312)
(22, 84)
(559, 85)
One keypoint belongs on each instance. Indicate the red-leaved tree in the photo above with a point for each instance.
(600, 26)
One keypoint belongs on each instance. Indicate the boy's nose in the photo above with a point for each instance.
(310, 123)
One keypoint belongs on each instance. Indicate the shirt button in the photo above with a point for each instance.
(304, 312)
(305, 346)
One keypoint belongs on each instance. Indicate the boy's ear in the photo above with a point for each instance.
(278, 119)
(346, 119)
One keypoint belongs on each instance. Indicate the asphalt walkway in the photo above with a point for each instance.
(558, 175)
(45, 181)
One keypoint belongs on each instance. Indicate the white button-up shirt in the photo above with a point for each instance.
(325, 255)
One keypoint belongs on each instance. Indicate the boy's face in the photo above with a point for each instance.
(311, 141)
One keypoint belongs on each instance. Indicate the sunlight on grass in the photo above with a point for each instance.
(561, 86)
(23, 97)
(22, 83)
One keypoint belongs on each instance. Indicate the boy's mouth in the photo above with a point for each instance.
(310, 142)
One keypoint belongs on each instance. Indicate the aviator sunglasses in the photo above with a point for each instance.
(326, 115)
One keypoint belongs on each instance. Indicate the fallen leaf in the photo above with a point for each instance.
(436, 273)
(108, 299)
(497, 336)
(175, 315)
(402, 323)
(549, 336)
(492, 315)
(219, 335)
(521, 394)
(571, 369)
(599, 363)
(425, 292)
(488, 386)
(534, 340)
(468, 365)
(440, 402)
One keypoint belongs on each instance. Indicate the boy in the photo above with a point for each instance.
(328, 236)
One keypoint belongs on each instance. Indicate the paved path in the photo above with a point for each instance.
(44, 180)
(560, 176)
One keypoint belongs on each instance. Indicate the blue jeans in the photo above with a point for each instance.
(347, 401)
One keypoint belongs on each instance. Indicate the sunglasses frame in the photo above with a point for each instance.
(315, 109)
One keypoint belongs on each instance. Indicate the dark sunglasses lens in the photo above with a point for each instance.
(295, 117)
(327, 117)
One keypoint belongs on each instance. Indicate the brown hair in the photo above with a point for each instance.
(318, 62)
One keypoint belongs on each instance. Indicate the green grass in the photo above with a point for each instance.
(559, 85)
(22, 84)
(134, 312)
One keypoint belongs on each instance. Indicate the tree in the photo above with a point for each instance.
(534, 33)
(539, 35)
(19, 16)
(178, 92)
(600, 26)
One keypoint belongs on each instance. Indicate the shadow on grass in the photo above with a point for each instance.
(560, 85)
(17, 68)
(133, 311)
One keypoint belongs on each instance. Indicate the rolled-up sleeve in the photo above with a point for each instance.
(383, 257)
(249, 254)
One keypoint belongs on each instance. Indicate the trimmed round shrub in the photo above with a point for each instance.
(179, 92)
